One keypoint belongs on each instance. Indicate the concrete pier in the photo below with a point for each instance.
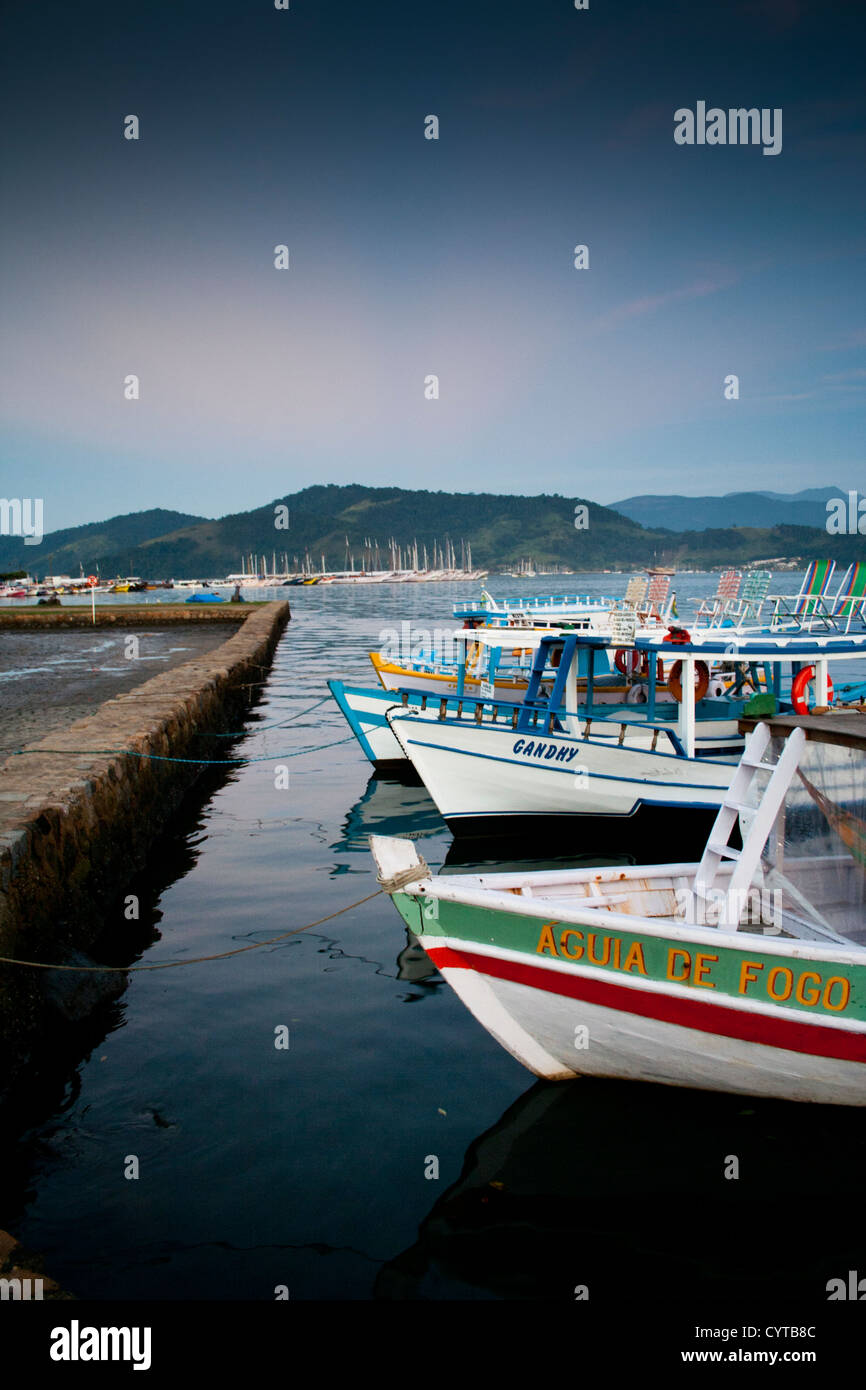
(23, 1278)
(154, 614)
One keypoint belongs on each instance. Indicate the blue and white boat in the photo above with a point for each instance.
(494, 768)
(486, 668)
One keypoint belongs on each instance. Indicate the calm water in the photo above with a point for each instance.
(306, 1167)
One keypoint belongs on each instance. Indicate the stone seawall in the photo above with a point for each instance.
(77, 822)
(125, 615)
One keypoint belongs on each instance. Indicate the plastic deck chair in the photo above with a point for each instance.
(716, 608)
(747, 608)
(808, 603)
(635, 592)
(850, 601)
(656, 595)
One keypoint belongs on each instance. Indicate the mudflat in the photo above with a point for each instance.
(50, 679)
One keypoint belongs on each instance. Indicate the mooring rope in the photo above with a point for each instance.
(403, 877)
(259, 728)
(194, 960)
(201, 733)
(164, 758)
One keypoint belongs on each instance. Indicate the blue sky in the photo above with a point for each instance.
(411, 257)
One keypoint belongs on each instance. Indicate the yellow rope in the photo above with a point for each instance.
(195, 960)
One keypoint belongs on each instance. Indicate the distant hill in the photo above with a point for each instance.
(502, 530)
(65, 552)
(676, 513)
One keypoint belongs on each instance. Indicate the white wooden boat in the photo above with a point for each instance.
(745, 972)
(495, 769)
(477, 676)
(647, 598)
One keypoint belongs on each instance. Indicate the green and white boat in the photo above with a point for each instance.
(745, 972)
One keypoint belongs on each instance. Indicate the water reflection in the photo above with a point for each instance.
(413, 962)
(389, 806)
(621, 1187)
(56, 1021)
(392, 806)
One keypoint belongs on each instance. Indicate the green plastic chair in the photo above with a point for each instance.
(850, 600)
(809, 603)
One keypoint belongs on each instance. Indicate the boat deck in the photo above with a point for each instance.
(847, 728)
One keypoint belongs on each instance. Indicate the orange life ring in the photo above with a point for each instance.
(804, 678)
(702, 680)
(627, 660)
(677, 636)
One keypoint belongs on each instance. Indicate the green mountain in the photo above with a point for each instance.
(64, 552)
(502, 530)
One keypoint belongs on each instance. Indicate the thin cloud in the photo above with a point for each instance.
(650, 303)
(856, 338)
(792, 396)
(852, 374)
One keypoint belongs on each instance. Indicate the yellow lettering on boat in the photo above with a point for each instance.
(634, 960)
(702, 966)
(845, 996)
(590, 944)
(814, 992)
(672, 965)
(572, 955)
(546, 941)
(782, 973)
(748, 975)
(617, 947)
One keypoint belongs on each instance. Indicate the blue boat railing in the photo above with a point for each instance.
(486, 712)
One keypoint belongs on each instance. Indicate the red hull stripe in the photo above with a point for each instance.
(687, 1013)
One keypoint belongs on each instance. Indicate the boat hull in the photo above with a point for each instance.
(365, 712)
(538, 1025)
(621, 1017)
(483, 776)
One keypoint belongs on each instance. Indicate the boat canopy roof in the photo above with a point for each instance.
(760, 646)
(743, 646)
(528, 638)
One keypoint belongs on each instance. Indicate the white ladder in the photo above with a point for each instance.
(735, 800)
